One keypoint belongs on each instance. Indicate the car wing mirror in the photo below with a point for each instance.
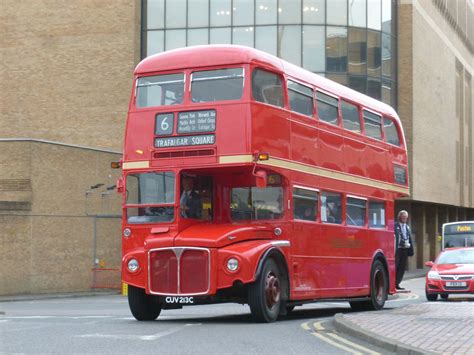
(429, 263)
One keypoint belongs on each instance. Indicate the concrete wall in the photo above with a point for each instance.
(439, 141)
(51, 246)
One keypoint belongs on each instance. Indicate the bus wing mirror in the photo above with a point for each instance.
(429, 263)
(261, 178)
(120, 185)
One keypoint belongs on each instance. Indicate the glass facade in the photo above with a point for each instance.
(352, 42)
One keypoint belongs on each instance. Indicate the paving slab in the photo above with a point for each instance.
(424, 328)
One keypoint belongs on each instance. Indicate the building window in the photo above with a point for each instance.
(350, 41)
(336, 49)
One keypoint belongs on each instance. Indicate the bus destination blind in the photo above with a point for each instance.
(185, 141)
(197, 121)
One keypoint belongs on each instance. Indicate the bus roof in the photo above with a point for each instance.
(214, 55)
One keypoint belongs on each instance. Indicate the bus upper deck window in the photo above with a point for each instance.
(350, 117)
(160, 90)
(267, 88)
(217, 85)
(391, 132)
(327, 108)
(373, 125)
(301, 98)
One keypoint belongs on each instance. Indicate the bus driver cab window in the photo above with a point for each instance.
(195, 197)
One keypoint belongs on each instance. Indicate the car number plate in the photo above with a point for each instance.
(455, 284)
(179, 300)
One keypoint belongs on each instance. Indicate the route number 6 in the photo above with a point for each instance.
(164, 124)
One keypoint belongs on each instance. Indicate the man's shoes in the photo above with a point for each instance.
(398, 287)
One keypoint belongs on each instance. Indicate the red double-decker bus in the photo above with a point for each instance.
(248, 179)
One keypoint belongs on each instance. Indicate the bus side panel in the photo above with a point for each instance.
(270, 130)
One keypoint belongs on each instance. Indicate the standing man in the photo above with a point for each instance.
(404, 246)
(190, 201)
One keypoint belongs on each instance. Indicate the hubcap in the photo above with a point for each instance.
(272, 289)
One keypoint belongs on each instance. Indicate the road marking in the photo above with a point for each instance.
(354, 345)
(337, 345)
(56, 317)
(136, 337)
(333, 339)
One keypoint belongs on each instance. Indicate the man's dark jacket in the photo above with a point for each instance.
(398, 237)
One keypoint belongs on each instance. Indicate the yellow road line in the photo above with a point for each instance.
(337, 345)
(305, 326)
(354, 345)
(337, 340)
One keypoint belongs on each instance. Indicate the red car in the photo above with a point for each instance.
(451, 273)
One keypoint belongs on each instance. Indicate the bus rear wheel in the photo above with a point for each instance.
(378, 290)
(143, 307)
(264, 295)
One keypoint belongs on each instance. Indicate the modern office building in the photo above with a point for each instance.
(66, 78)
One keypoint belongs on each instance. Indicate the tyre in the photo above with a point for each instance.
(444, 296)
(264, 295)
(431, 296)
(143, 307)
(378, 290)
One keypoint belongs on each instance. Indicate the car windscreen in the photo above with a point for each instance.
(459, 256)
(150, 197)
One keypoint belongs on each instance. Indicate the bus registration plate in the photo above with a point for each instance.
(179, 300)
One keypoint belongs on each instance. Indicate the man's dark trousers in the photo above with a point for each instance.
(401, 260)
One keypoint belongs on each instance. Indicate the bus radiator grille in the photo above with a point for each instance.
(190, 278)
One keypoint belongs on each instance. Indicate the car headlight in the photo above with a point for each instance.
(127, 232)
(133, 265)
(232, 264)
(433, 275)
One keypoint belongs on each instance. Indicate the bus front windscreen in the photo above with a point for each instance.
(160, 90)
(217, 85)
(150, 197)
(459, 234)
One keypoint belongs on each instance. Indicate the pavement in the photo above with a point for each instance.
(422, 328)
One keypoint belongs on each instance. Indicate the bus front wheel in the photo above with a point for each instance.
(378, 290)
(143, 307)
(264, 295)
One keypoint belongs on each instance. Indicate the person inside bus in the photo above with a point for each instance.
(404, 246)
(190, 201)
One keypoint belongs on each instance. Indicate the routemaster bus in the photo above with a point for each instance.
(248, 179)
(458, 234)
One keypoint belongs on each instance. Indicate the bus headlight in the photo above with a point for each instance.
(127, 232)
(133, 265)
(433, 275)
(232, 264)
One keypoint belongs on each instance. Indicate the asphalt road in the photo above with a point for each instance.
(103, 324)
